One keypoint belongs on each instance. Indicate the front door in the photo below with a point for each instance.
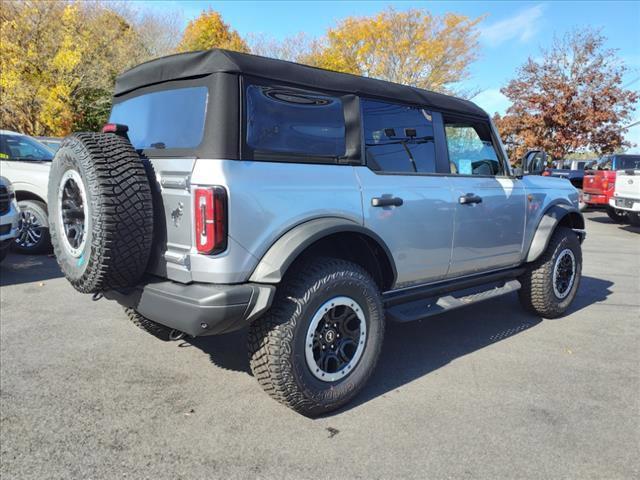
(490, 205)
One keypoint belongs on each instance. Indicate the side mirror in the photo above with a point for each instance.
(534, 162)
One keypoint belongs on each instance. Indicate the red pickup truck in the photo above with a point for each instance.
(598, 186)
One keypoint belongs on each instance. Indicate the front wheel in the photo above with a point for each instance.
(319, 344)
(618, 216)
(33, 228)
(551, 282)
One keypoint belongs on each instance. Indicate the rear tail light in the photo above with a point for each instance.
(211, 219)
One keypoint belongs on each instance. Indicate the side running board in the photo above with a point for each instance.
(436, 304)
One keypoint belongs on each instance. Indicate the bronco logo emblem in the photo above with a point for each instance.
(176, 215)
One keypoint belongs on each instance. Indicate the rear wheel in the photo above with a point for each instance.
(551, 282)
(618, 216)
(33, 228)
(318, 345)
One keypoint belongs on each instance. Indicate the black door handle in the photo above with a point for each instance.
(470, 198)
(386, 202)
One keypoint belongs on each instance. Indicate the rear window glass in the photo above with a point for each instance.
(628, 163)
(165, 119)
(292, 122)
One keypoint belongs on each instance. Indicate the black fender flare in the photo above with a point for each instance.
(548, 223)
(288, 247)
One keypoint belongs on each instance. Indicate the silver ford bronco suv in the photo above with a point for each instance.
(230, 190)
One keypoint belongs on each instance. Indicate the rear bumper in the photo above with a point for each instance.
(627, 204)
(595, 198)
(197, 308)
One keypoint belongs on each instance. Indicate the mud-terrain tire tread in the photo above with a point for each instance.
(159, 331)
(271, 338)
(121, 206)
(535, 294)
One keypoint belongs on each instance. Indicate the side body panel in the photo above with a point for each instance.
(32, 177)
(419, 232)
(265, 200)
(488, 235)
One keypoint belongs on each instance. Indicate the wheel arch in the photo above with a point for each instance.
(555, 216)
(333, 236)
(28, 195)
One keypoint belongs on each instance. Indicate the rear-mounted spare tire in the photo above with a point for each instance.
(100, 212)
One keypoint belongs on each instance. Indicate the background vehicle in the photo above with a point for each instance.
(26, 163)
(306, 204)
(626, 195)
(52, 142)
(535, 163)
(9, 216)
(599, 185)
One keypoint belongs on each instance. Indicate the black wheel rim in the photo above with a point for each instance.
(73, 212)
(564, 273)
(335, 339)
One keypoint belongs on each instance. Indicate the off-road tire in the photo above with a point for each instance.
(119, 227)
(618, 216)
(3, 253)
(537, 292)
(634, 218)
(276, 341)
(39, 210)
(161, 332)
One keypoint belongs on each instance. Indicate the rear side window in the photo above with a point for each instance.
(291, 122)
(165, 119)
(398, 138)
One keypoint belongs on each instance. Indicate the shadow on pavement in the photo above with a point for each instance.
(415, 349)
(17, 269)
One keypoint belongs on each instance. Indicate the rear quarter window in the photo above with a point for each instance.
(290, 122)
(164, 119)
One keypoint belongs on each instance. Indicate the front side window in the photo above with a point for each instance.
(165, 119)
(471, 150)
(21, 147)
(292, 122)
(398, 138)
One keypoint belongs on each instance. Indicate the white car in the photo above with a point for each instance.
(26, 163)
(9, 216)
(626, 195)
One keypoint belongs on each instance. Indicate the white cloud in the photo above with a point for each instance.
(522, 27)
(492, 101)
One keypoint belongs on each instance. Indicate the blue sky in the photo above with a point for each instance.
(509, 33)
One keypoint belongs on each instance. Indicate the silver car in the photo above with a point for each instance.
(230, 191)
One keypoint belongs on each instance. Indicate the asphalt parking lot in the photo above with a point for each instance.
(484, 392)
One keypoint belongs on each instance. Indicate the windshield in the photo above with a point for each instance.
(21, 147)
(632, 162)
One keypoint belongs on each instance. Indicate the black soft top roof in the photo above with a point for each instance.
(195, 64)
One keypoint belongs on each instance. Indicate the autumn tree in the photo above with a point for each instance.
(569, 100)
(209, 31)
(412, 47)
(59, 60)
(295, 48)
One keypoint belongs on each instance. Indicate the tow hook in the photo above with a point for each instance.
(97, 296)
(175, 335)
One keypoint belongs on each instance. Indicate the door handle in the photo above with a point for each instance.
(386, 202)
(470, 198)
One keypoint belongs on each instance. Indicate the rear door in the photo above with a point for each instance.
(490, 205)
(404, 201)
